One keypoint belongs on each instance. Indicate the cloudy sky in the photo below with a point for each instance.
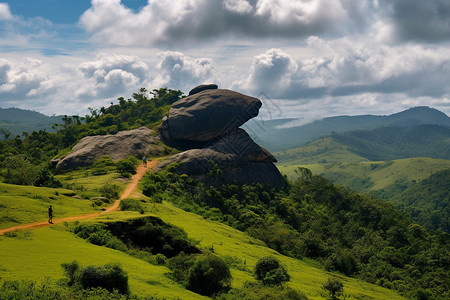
(304, 58)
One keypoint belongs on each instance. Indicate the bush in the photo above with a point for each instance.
(71, 270)
(110, 277)
(131, 205)
(334, 287)
(110, 191)
(209, 276)
(127, 165)
(270, 272)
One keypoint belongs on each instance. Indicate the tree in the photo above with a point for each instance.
(6, 133)
(209, 276)
(334, 286)
(270, 272)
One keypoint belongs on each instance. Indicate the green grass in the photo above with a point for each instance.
(39, 254)
(324, 150)
(27, 204)
(372, 176)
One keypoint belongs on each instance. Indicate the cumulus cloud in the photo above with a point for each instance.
(350, 68)
(22, 79)
(171, 22)
(5, 13)
(110, 74)
(176, 70)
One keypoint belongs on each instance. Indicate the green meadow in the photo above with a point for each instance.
(27, 204)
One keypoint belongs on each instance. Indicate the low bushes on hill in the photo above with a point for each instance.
(270, 272)
(110, 277)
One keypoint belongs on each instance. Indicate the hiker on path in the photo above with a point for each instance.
(50, 215)
(144, 159)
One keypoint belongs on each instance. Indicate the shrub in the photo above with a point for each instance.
(334, 287)
(110, 277)
(127, 165)
(71, 270)
(270, 272)
(110, 191)
(131, 205)
(209, 276)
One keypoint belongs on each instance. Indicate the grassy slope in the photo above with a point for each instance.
(40, 255)
(371, 176)
(27, 204)
(324, 150)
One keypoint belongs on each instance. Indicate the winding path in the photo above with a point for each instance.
(140, 171)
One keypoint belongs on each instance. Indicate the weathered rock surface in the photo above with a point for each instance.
(203, 87)
(208, 114)
(206, 125)
(118, 146)
(238, 158)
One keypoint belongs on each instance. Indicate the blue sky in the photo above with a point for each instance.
(307, 59)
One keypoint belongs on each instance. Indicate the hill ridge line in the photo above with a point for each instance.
(132, 185)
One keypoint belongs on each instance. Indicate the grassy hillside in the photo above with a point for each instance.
(321, 151)
(366, 176)
(43, 250)
(386, 143)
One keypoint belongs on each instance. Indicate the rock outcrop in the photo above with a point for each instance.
(208, 114)
(206, 125)
(118, 146)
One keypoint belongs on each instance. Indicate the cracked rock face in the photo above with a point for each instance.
(118, 146)
(206, 125)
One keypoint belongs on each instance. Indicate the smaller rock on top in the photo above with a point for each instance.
(203, 87)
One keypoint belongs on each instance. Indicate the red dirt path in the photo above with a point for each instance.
(140, 171)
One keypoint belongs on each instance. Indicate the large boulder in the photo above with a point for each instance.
(208, 114)
(232, 158)
(118, 146)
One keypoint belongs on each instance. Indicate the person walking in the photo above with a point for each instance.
(144, 159)
(50, 215)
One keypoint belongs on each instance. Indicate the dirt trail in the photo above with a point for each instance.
(132, 185)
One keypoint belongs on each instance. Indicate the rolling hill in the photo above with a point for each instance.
(385, 162)
(279, 135)
(17, 120)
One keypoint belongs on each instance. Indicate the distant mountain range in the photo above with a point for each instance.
(17, 120)
(274, 135)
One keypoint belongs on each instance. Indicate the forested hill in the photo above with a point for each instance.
(388, 143)
(16, 121)
(277, 135)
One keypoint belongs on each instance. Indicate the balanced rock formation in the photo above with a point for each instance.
(206, 115)
(206, 125)
(118, 146)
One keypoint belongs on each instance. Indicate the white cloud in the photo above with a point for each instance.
(110, 74)
(178, 71)
(176, 22)
(238, 6)
(351, 67)
(5, 13)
